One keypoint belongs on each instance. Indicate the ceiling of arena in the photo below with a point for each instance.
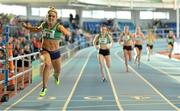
(108, 3)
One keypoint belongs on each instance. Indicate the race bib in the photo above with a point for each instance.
(126, 38)
(48, 34)
(103, 40)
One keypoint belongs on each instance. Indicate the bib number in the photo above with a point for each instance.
(48, 34)
(103, 40)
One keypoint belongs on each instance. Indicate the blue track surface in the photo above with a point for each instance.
(155, 85)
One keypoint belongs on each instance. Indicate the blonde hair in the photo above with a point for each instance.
(52, 9)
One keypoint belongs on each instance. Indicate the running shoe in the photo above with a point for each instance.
(43, 92)
(103, 79)
(56, 80)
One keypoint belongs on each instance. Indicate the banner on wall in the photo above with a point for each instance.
(35, 69)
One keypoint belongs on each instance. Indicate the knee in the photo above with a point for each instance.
(108, 66)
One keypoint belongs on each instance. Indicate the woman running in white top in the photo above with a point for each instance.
(138, 40)
(103, 42)
(170, 39)
(126, 40)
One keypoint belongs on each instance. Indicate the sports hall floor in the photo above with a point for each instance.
(155, 85)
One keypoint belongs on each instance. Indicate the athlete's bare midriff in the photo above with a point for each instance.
(138, 42)
(104, 46)
(51, 45)
(128, 43)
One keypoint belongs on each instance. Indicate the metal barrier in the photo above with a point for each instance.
(16, 74)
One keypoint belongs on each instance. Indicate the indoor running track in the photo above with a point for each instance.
(155, 85)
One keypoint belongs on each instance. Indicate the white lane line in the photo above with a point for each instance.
(76, 83)
(163, 56)
(114, 90)
(162, 72)
(38, 85)
(158, 92)
(169, 68)
(173, 73)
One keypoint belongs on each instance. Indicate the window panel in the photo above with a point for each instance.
(13, 9)
(123, 14)
(18, 10)
(161, 15)
(87, 14)
(43, 12)
(146, 15)
(154, 15)
(35, 11)
(99, 14)
(109, 14)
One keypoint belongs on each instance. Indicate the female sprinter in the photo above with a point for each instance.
(150, 40)
(126, 39)
(50, 53)
(138, 40)
(103, 42)
(170, 39)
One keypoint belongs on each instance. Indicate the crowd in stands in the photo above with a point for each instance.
(20, 40)
(25, 42)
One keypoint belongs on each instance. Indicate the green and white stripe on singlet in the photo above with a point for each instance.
(53, 33)
(103, 40)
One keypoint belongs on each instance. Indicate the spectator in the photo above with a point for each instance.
(1, 57)
(70, 18)
(77, 19)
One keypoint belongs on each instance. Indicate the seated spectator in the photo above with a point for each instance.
(2, 42)
(1, 57)
(36, 44)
